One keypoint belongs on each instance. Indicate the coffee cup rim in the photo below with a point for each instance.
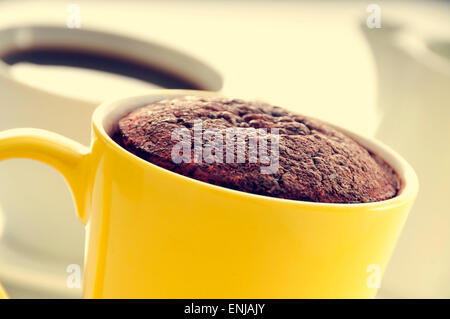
(106, 115)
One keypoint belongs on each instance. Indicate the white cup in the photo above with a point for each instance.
(37, 206)
(414, 102)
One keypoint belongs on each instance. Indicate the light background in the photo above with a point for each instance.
(309, 56)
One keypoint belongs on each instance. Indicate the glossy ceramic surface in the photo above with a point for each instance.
(43, 227)
(414, 103)
(152, 233)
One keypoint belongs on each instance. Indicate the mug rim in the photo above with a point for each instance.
(163, 57)
(420, 48)
(118, 108)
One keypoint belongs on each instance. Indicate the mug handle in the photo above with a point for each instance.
(67, 156)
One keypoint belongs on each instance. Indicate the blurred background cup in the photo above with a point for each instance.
(414, 103)
(309, 55)
(41, 234)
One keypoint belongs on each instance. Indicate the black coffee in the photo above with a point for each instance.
(101, 62)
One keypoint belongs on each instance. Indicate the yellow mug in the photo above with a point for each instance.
(152, 233)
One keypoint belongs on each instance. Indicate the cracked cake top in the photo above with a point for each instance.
(315, 162)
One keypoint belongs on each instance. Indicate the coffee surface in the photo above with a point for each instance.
(99, 61)
(315, 161)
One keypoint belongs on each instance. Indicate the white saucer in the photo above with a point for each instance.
(37, 275)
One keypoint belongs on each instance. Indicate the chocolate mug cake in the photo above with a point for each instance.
(315, 162)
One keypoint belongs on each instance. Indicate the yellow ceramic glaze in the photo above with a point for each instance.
(152, 233)
(2, 293)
